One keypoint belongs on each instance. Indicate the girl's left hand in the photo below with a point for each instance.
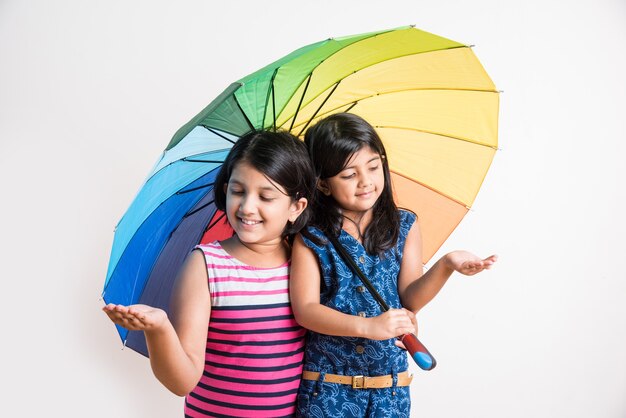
(398, 342)
(136, 317)
(467, 263)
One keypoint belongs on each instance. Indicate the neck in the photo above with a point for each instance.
(354, 223)
(266, 254)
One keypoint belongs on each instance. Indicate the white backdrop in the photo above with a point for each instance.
(92, 91)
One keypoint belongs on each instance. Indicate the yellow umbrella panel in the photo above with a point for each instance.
(436, 110)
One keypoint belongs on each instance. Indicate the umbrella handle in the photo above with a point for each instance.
(418, 352)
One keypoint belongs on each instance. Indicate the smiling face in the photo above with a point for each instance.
(359, 185)
(257, 208)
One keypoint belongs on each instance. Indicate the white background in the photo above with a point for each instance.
(92, 91)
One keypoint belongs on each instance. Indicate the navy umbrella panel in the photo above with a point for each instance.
(168, 217)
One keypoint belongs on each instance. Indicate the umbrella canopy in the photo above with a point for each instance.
(428, 97)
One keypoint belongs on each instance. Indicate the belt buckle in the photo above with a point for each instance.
(358, 382)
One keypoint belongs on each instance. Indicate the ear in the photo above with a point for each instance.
(297, 208)
(322, 186)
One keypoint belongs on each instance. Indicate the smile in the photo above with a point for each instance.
(249, 222)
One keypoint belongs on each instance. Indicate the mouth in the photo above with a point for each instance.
(249, 221)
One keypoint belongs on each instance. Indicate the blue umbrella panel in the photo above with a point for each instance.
(169, 216)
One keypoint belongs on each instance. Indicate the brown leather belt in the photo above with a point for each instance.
(361, 382)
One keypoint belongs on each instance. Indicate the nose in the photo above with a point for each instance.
(247, 204)
(365, 179)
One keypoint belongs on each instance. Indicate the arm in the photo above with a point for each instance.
(176, 348)
(178, 363)
(417, 288)
(304, 292)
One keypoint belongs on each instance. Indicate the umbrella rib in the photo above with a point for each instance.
(317, 65)
(185, 159)
(319, 108)
(243, 113)
(188, 214)
(194, 189)
(217, 133)
(190, 160)
(431, 189)
(378, 62)
(354, 103)
(126, 248)
(396, 127)
(306, 87)
(351, 106)
(274, 101)
(405, 90)
(399, 56)
(267, 98)
(215, 222)
(437, 134)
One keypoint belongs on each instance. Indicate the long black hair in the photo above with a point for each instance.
(331, 143)
(283, 159)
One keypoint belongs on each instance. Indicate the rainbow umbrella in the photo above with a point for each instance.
(429, 98)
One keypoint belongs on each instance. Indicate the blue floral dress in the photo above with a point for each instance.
(342, 290)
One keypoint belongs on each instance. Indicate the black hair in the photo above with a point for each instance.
(331, 143)
(282, 158)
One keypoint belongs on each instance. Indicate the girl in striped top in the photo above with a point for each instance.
(248, 360)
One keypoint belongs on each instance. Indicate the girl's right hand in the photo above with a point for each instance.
(136, 317)
(391, 324)
(467, 263)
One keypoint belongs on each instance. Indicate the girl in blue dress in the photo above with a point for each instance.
(353, 365)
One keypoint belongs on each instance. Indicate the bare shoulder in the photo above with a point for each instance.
(304, 277)
(298, 243)
(191, 299)
(414, 237)
(303, 260)
(196, 261)
(411, 267)
(193, 276)
(300, 251)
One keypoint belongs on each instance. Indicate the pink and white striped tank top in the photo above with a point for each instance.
(254, 346)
